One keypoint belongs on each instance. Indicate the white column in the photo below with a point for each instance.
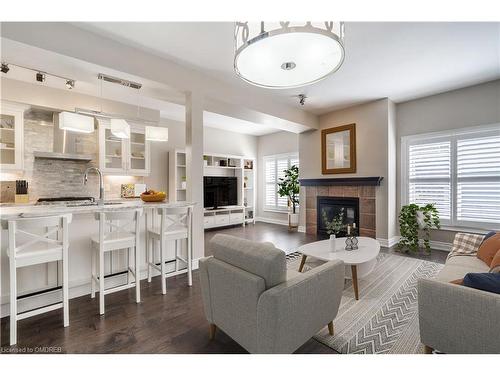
(194, 167)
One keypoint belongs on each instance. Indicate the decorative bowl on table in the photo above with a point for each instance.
(153, 196)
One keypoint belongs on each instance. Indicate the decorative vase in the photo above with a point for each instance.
(332, 243)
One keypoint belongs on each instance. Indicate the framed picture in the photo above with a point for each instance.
(338, 149)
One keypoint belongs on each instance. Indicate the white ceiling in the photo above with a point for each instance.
(402, 61)
(152, 94)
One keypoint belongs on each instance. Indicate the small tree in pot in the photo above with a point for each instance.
(413, 220)
(289, 187)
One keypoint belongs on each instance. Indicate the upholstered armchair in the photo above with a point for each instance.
(247, 294)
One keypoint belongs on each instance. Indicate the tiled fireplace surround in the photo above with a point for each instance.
(364, 189)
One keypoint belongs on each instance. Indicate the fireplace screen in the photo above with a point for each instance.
(342, 210)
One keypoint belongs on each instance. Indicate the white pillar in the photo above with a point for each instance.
(194, 167)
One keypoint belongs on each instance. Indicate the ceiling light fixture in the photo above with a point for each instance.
(281, 55)
(156, 134)
(75, 122)
(5, 68)
(40, 77)
(70, 84)
(120, 128)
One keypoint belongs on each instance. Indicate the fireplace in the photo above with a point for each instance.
(329, 208)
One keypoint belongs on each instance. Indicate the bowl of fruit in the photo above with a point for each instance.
(153, 196)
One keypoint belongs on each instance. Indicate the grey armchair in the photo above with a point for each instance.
(247, 294)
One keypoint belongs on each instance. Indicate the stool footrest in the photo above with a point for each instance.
(118, 288)
(40, 310)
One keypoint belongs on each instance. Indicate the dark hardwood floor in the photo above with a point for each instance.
(173, 323)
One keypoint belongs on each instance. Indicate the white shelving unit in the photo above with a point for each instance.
(249, 189)
(177, 176)
(218, 165)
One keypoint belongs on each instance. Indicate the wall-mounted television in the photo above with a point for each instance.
(220, 191)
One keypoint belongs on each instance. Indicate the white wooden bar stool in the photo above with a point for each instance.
(175, 225)
(29, 246)
(118, 230)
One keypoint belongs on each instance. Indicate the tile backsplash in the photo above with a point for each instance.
(60, 178)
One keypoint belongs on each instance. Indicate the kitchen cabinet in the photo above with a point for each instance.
(12, 136)
(123, 156)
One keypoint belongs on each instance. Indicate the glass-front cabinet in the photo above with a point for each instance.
(11, 136)
(123, 156)
(138, 155)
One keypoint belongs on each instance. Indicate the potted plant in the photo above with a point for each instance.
(415, 220)
(336, 226)
(288, 186)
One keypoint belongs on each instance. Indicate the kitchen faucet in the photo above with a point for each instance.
(101, 183)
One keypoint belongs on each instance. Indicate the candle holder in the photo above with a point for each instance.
(351, 241)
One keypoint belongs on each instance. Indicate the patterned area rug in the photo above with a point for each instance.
(385, 319)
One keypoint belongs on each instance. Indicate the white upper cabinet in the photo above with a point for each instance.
(12, 136)
(123, 156)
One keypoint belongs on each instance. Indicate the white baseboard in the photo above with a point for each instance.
(388, 242)
(436, 245)
(77, 288)
(271, 221)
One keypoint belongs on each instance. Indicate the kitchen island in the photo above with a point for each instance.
(33, 279)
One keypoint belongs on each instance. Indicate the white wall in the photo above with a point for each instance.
(470, 106)
(372, 145)
(225, 142)
(272, 144)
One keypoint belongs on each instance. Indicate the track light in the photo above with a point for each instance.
(40, 77)
(70, 84)
(5, 68)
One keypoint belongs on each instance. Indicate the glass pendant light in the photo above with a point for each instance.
(156, 134)
(120, 128)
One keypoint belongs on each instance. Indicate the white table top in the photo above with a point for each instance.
(32, 210)
(368, 249)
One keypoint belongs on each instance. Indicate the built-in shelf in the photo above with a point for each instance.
(2, 147)
(181, 166)
(8, 129)
(221, 167)
(113, 140)
(113, 156)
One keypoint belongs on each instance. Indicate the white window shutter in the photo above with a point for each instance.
(478, 179)
(429, 170)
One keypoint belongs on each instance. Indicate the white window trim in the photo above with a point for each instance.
(275, 208)
(455, 134)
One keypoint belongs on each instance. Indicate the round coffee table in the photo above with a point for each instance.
(361, 261)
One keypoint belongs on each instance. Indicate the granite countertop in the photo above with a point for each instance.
(32, 210)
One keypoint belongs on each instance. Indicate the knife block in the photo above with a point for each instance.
(22, 198)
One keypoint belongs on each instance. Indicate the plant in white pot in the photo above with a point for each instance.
(288, 187)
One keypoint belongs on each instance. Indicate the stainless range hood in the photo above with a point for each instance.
(67, 145)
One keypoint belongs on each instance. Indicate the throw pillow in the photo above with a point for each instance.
(495, 263)
(488, 235)
(489, 248)
(465, 244)
(489, 282)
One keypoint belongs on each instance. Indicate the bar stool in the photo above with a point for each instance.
(27, 247)
(115, 233)
(175, 225)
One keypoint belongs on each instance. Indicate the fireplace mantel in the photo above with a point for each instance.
(342, 181)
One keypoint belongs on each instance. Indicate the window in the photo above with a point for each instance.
(458, 171)
(274, 169)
